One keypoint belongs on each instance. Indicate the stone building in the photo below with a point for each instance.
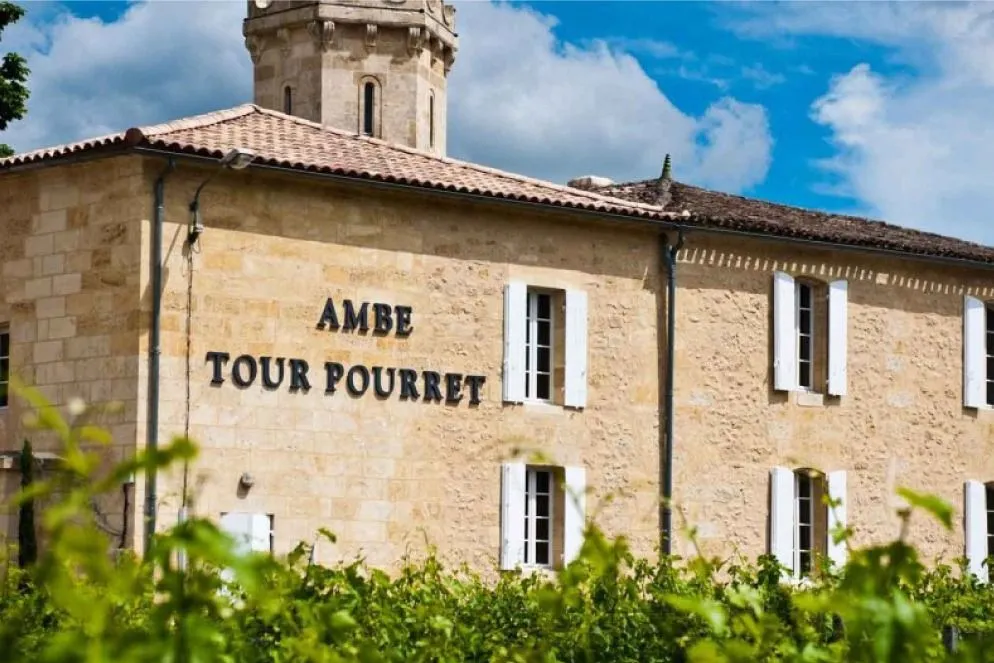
(367, 336)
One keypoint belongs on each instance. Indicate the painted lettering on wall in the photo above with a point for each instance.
(356, 380)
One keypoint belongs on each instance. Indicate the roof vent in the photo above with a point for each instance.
(589, 182)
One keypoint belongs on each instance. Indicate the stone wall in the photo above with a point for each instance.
(901, 423)
(69, 291)
(387, 476)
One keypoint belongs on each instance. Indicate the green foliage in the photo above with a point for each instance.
(13, 77)
(77, 603)
(27, 544)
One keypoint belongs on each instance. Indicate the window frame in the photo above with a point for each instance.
(287, 100)
(799, 286)
(989, 513)
(532, 517)
(4, 360)
(988, 354)
(367, 118)
(431, 119)
(532, 345)
(800, 477)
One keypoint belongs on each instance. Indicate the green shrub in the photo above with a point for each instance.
(77, 604)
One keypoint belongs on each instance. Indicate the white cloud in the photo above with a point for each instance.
(915, 148)
(159, 61)
(518, 100)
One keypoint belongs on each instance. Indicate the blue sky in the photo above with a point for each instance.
(872, 108)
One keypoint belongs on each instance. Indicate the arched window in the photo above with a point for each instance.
(287, 100)
(431, 119)
(368, 107)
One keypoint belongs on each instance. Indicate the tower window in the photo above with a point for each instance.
(287, 100)
(431, 119)
(368, 106)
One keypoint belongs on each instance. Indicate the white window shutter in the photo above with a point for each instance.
(515, 326)
(239, 526)
(975, 528)
(261, 532)
(974, 344)
(576, 348)
(574, 513)
(784, 332)
(838, 313)
(512, 490)
(837, 516)
(782, 516)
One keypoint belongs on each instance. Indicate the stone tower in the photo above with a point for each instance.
(374, 67)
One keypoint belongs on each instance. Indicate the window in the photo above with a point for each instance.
(810, 321)
(538, 340)
(431, 119)
(805, 335)
(4, 366)
(368, 107)
(807, 494)
(802, 523)
(545, 345)
(252, 531)
(978, 526)
(543, 515)
(538, 517)
(287, 100)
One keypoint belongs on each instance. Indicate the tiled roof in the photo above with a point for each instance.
(721, 210)
(290, 142)
(285, 141)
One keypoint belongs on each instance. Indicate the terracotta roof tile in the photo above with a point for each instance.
(289, 142)
(722, 210)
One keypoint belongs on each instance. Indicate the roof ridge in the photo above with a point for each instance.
(456, 162)
(199, 121)
(192, 122)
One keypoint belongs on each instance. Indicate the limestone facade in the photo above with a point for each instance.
(388, 475)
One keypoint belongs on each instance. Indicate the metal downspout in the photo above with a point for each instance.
(669, 252)
(154, 350)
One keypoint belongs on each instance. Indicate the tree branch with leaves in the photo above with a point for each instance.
(13, 77)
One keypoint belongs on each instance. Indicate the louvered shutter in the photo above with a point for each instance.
(512, 548)
(975, 527)
(974, 351)
(239, 526)
(574, 516)
(837, 516)
(260, 536)
(576, 349)
(515, 326)
(784, 332)
(782, 516)
(838, 312)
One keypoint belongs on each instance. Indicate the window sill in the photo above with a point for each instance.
(528, 570)
(985, 412)
(544, 407)
(809, 399)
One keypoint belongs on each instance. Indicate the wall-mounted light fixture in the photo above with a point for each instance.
(246, 481)
(236, 159)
